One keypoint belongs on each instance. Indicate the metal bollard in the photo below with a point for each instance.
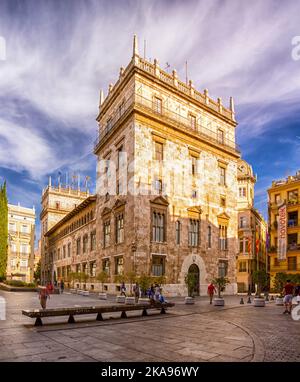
(242, 300)
(249, 300)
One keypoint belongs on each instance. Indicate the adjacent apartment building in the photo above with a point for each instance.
(284, 226)
(21, 235)
(252, 231)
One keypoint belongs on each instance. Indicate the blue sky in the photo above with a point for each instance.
(60, 53)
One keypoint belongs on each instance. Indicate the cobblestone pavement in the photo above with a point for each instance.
(199, 332)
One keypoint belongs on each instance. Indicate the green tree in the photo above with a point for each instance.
(3, 230)
(37, 273)
(102, 277)
(145, 282)
(261, 278)
(132, 278)
(191, 282)
(221, 283)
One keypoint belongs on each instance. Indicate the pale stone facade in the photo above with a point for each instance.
(57, 202)
(71, 244)
(21, 229)
(252, 230)
(144, 109)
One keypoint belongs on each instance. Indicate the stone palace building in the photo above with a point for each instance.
(167, 188)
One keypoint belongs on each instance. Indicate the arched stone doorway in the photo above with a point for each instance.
(194, 269)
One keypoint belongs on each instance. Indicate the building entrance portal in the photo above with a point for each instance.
(194, 269)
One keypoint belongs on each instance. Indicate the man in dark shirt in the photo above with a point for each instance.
(288, 296)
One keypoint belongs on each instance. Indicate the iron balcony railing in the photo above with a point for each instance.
(140, 103)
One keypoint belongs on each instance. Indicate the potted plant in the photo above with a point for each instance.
(131, 278)
(191, 282)
(220, 283)
(260, 278)
(145, 282)
(102, 277)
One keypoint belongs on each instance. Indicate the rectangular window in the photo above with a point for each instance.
(223, 201)
(293, 196)
(193, 233)
(223, 238)
(158, 186)
(106, 229)
(24, 248)
(177, 231)
(223, 268)
(158, 265)
(119, 265)
(243, 266)
(243, 221)
(93, 241)
(64, 251)
(85, 243)
(209, 237)
(69, 249)
(222, 176)
(242, 192)
(241, 245)
(277, 199)
(157, 105)
(158, 227)
(120, 160)
(220, 136)
(58, 254)
(105, 265)
(194, 165)
(159, 151)
(292, 263)
(78, 245)
(193, 122)
(24, 228)
(93, 269)
(78, 269)
(12, 227)
(120, 229)
(194, 194)
(23, 264)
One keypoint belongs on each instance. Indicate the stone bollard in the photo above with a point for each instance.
(242, 301)
(249, 300)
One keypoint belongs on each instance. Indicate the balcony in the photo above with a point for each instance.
(144, 105)
(293, 247)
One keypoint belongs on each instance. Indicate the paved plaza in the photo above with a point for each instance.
(200, 332)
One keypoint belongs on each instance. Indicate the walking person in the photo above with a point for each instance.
(43, 295)
(136, 290)
(156, 292)
(211, 289)
(62, 286)
(288, 296)
(123, 289)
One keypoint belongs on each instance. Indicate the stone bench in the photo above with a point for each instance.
(85, 293)
(38, 314)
